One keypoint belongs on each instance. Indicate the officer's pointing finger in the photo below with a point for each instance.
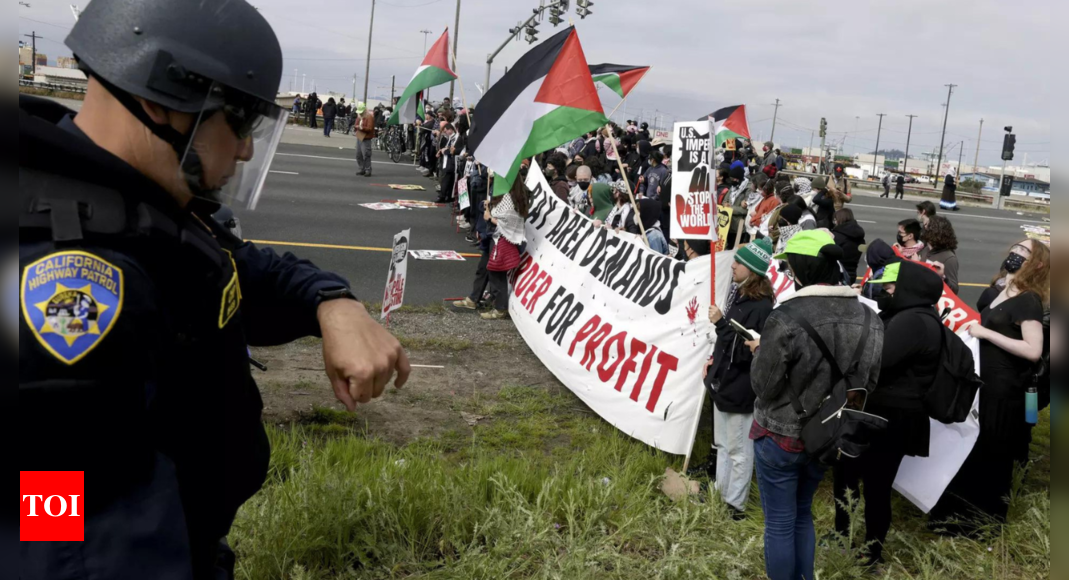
(403, 368)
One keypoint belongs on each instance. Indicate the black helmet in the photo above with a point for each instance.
(194, 57)
(645, 126)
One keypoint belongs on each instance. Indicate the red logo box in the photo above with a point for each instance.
(53, 506)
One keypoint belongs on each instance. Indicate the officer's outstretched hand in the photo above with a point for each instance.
(360, 355)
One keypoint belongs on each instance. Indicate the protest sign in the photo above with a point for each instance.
(415, 204)
(724, 214)
(623, 327)
(437, 256)
(462, 194)
(407, 187)
(395, 281)
(660, 135)
(692, 182)
(381, 206)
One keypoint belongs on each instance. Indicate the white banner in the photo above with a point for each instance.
(395, 281)
(625, 328)
(693, 179)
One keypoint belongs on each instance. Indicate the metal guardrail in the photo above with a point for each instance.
(65, 88)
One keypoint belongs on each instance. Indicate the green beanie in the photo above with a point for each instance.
(757, 256)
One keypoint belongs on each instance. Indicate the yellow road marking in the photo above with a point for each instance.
(333, 247)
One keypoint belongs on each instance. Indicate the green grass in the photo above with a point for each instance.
(543, 490)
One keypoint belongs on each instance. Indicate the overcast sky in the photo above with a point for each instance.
(846, 60)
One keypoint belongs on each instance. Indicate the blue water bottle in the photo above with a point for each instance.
(1031, 404)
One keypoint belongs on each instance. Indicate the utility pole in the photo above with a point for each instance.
(34, 37)
(303, 79)
(456, 41)
(293, 87)
(876, 155)
(393, 88)
(961, 154)
(371, 30)
(942, 141)
(909, 136)
(354, 86)
(775, 117)
(976, 163)
(857, 128)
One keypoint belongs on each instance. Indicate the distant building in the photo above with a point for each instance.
(25, 56)
(42, 60)
(51, 75)
(67, 62)
(1021, 185)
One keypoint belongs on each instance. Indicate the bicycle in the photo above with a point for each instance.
(390, 141)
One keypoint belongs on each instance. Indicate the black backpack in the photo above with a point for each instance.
(837, 429)
(950, 398)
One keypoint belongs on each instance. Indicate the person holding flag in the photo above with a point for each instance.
(434, 71)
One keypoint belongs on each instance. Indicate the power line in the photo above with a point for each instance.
(45, 23)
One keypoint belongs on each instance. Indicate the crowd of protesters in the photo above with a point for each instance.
(776, 363)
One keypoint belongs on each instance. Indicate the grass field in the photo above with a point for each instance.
(541, 489)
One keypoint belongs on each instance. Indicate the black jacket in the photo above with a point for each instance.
(330, 111)
(911, 355)
(850, 236)
(161, 412)
(729, 377)
(825, 209)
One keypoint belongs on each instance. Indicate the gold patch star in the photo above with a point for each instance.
(69, 336)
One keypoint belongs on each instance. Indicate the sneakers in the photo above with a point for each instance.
(496, 315)
(466, 304)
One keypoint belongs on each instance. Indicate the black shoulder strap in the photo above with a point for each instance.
(837, 374)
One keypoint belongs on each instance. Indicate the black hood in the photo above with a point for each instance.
(879, 255)
(853, 231)
(917, 286)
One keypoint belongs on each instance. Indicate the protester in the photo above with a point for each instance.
(878, 256)
(507, 213)
(649, 211)
(789, 195)
(912, 346)
(823, 203)
(804, 187)
(297, 104)
(789, 366)
(599, 170)
(1011, 343)
(448, 159)
(770, 155)
(654, 177)
(886, 182)
(603, 199)
(579, 197)
(644, 132)
(849, 236)
(330, 112)
(840, 187)
(723, 186)
(757, 224)
(780, 161)
(311, 110)
(941, 247)
(617, 218)
(365, 134)
(900, 187)
(950, 192)
(556, 174)
(925, 211)
(909, 239)
(749, 304)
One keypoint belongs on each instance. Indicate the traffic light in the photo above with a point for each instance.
(584, 8)
(1008, 145)
(1007, 186)
(555, 16)
(532, 34)
(823, 128)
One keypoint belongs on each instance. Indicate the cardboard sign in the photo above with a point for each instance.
(395, 281)
(693, 210)
(437, 256)
(462, 194)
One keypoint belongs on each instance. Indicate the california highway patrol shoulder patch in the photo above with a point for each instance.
(70, 301)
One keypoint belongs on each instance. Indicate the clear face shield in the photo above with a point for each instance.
(231, 147)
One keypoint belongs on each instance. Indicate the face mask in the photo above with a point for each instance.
(584, 185)
(901, 240)
(885, 302)
(1013, 263)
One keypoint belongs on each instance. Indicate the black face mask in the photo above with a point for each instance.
(1013, 263)
(885, 301)
(584, 185)
(901, 240)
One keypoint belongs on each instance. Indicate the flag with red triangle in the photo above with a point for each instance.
(434, 71)
(620, 78)
(548, 98)
(729, 123)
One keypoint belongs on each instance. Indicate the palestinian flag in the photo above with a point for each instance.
(621, 79)
(730, 123)
(546, 99)
(434, 71)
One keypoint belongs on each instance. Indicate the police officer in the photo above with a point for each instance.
(137, 309)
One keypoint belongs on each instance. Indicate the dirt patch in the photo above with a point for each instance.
(479, 359)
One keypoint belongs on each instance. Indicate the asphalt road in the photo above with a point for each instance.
(313, 196)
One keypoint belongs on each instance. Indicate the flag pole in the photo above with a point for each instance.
(463, 98)
(630, 192)
(620, 104)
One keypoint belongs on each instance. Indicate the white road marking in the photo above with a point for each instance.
(285, 172)
(865, 222)
(353, 160)
(954, 215)
(426, 367)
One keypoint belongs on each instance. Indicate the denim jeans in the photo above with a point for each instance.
(328, 127)
(788, 483)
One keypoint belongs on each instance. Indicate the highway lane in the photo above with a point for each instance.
(313, 197)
